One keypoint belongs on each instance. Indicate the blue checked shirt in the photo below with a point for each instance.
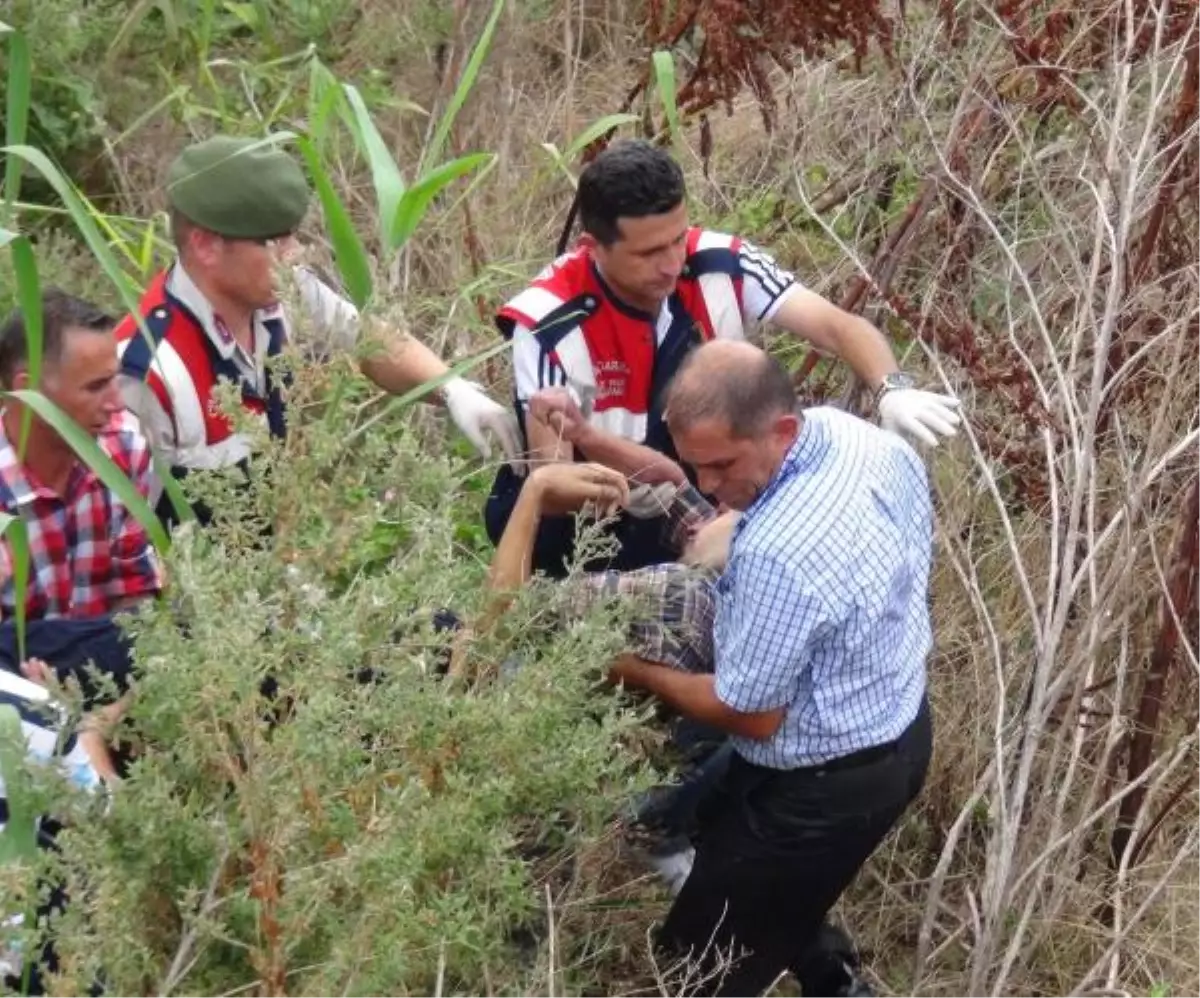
(823, 606)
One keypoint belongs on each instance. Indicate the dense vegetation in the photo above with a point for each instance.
(1009, 190)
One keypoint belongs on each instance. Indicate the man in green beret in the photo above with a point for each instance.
(235, 206)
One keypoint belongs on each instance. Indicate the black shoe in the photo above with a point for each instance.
(830, 966)
(857, 987)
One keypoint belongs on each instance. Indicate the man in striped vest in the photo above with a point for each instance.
(235, 205)
(600, 332)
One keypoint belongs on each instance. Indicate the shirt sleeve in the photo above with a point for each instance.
(136, 570)
(678, 627)
(526, 357)
(334, 318)
(765, 284)
(532, 371)
(670, 609)
(762, 649)
(154, 422)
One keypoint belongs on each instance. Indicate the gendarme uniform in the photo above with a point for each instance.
(569, 329)
(240, 189)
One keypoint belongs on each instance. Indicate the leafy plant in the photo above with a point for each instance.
(596, 130)
(664, 86)
(401, 207)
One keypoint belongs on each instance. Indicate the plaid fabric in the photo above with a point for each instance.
(687, 511)
(86, 551)
(673, 610)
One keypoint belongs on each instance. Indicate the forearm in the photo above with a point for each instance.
(95, 730)
(635, 461)
(864, 349)
(397, 362)
(512, 564)
(693, 694)
(511, 568)
(834, 331)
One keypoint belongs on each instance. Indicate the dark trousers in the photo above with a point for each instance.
(777, 852)
(703, 753)
(79, 649)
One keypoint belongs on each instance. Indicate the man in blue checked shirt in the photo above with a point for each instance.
(821, 635)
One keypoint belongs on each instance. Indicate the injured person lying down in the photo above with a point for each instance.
(670, 606)
(670, 610)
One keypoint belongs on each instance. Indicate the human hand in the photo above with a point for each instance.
(567, 488)
(476, 416)
(558, 409)
(37, 671)
(927, 416)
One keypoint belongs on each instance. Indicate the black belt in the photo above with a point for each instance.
(863, 757)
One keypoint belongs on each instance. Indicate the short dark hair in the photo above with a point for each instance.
(746, 396)
(630, 179)
(60, 312)
(181, 227)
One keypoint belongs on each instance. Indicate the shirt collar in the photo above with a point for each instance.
(181, 287)
(620, 304)
(24, 486)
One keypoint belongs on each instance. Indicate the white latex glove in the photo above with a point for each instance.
(476, 415)
(924, 415)
(648, 501)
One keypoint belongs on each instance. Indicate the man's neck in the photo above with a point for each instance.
(237, 318)
(649, 306)
(47, 455)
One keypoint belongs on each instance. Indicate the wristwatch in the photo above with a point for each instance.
(890, 382)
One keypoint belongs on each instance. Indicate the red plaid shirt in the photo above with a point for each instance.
(86, 550)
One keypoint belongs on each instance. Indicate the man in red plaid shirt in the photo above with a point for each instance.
(88, 556)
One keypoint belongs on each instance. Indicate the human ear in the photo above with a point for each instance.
(786, 427)
(205, 246)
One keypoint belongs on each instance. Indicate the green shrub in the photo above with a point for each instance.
(343, 836)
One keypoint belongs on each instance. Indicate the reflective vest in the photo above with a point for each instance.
(181, 365)
(615, 352)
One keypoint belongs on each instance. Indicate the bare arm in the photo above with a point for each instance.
(694, 694)
(552, 489)
(833, 330)
(635, 461)
(398, 362)
(511, 564)
(556, 428)
(95, 729)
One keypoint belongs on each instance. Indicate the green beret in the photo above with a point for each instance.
(238, 188)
